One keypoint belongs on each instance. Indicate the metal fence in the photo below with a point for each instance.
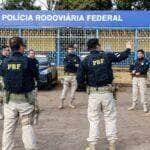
(55, 40)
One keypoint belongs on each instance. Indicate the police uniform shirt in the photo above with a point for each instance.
(96, 68)
(71, 63)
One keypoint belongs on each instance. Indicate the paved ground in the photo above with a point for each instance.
(68, 129)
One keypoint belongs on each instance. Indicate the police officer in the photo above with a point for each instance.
(71, 64)
(31, 55)
(18, 73)
(36, 65)
(139, 71)
(96, 71)
(5, 54)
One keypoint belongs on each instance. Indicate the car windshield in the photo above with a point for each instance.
(41, 59)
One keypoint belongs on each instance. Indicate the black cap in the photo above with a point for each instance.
(92, 44)
(15, 43)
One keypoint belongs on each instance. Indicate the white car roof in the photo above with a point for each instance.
(40, 55)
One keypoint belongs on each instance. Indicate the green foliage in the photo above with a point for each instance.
(102, 4)
(124, 4)
(84, 4)
(133, 4)
(20, 5)
(80, 4)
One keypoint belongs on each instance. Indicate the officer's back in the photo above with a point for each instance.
(96, 68)
(18, 71)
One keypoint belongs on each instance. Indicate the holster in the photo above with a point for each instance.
(88, 90)
(140, 76)
(7, 96)
(30, 98)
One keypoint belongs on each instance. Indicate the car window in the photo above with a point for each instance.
(42, 59)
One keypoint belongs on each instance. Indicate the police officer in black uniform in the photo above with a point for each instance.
(139, 69)
(35, 64)
(96, 71)
(18, 73)
(71, 64)
(5, 54)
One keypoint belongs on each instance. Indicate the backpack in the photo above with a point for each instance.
(14, 73)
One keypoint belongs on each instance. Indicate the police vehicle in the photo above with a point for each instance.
(47, 72)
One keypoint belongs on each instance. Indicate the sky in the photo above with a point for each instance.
(42, 4)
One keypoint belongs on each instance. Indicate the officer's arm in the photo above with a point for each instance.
(3, 68)
(37, 70)
(81, 73)
(65, 61)
(132, 67)
(78, 62)
(117, 57)
(33, 68)
(144, 68)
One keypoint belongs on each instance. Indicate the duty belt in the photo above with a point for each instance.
(70, 74)
(1, 79)
(16, 97)
(140, 76)
(103, 89)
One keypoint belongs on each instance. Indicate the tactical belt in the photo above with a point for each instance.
(27, 97)
(1, 79)
(140, 76)
(18, 97)
(70, 74)
(103, 89)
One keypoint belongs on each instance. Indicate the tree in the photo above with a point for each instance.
(84, 4)
(141, 4)
(124, 4)
(20, 5)
(102, 4)
(133, 4)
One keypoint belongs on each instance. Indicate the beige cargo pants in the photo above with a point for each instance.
(18, 108)
(70, 82)
(139, 84)
(101, 103)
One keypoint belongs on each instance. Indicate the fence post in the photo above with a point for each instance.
(135, 43)
(97, 33)
(20, 34)
(58, 47)
(136, 40)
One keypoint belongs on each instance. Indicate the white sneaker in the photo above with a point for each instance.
(145, 109)
(61, 106)
(71, 105)
(132, 107)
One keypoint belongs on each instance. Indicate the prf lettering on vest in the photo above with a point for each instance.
(14, 66)
(98, 62)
